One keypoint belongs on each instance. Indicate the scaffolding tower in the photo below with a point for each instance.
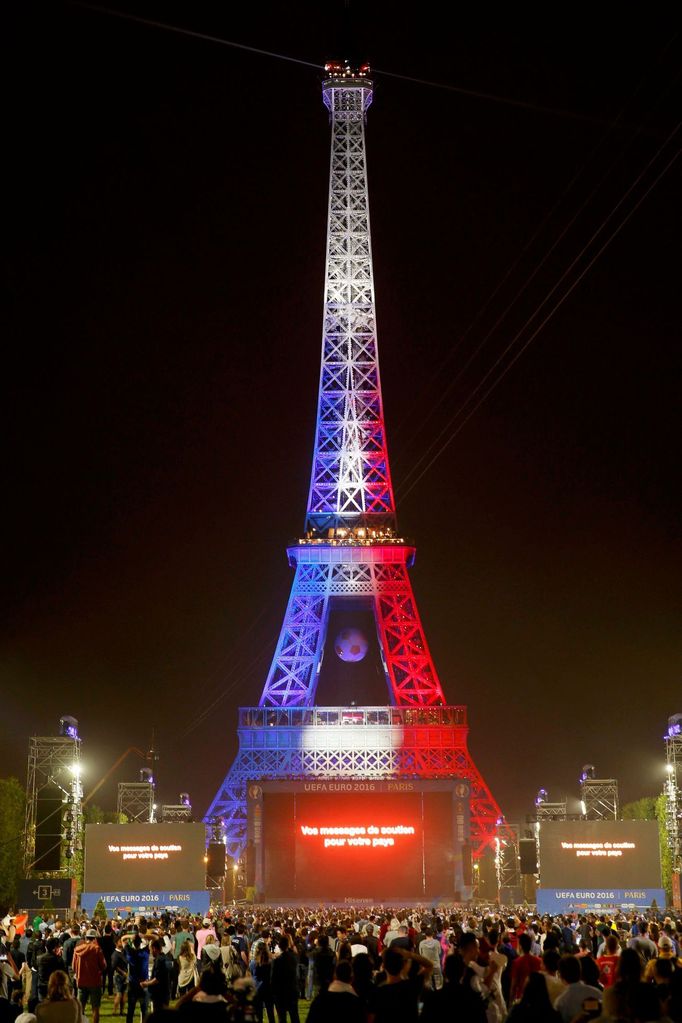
(598, 796)
(673, 800)
(54, 764)
(507, 866)
(136, 801)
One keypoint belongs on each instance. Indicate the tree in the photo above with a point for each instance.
(92, 814)
(653, 808)
(100, 910)
(12, 809)
(641, 810)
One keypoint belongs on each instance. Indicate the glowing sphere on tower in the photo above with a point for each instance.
(350, 645)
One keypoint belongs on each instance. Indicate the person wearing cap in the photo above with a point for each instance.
(666, 951)
(88, 966)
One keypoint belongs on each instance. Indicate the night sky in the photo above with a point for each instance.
(165, 259)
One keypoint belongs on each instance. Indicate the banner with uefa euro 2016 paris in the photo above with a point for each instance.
(138, 868)
(598, 865)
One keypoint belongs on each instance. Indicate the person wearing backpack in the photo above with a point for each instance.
(231, 960)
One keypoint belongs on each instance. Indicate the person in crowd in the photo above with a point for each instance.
(324, 962)
(362, 979)
(666, 953)
(641, 942)
(522, 967)
(589, 972)
(59, 1005)
(285, 981)
(188, 973)
(230, 959)
(570, 1002)
(158, 985)
(608, 962)
(535, 1005)
(119, 967)
(137, 957)
(478, 978)
(403, 972)
(68, 946)
(371, 943)
(429, 948)
(202, 934)
(262, 975)
(210, 958)
(181, 934)
(107, 943)
(550, 973)
(89, 965)
(208, 1004)
(340, 1002)
(47, 962)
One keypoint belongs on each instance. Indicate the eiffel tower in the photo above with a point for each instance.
(351, 554)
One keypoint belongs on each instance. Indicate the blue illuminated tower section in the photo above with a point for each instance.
(351, 554)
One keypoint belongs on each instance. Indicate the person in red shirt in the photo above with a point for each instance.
(523, 966)
(608, 963)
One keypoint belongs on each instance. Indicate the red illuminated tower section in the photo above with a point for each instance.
(351, 555)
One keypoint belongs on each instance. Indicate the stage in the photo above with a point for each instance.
(359, 842)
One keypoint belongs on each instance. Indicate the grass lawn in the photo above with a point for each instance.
(106, 1011)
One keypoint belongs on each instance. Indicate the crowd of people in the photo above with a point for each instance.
(350, 965)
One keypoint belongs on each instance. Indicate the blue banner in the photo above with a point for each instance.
(565, 900)
(122, 903)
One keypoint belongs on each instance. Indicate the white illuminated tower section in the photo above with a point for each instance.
(351, 554)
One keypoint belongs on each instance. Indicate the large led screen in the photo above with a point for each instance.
(141, 857)
(364, 845)
(600, 854)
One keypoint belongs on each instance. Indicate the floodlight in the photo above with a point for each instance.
(68, 726)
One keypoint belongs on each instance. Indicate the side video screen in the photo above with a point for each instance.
(603, 854)
(138, 857)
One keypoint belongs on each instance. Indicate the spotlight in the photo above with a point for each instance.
(675, 725)
(68, 727)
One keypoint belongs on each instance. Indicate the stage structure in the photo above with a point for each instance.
(54, 797)
(598, 796)
(351, 555)
(136, 798)
(673, 802)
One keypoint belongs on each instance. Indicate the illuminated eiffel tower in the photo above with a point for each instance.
(351, 554)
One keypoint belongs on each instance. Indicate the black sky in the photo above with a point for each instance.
(167, 212)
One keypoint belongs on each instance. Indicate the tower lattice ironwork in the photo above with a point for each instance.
(351, 553)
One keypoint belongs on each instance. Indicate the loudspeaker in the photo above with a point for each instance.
(215, 864)
(48, 829)
(467, 867)
(528, 856)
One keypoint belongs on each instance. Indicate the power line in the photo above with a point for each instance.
(552, 311)
(204, 36)
(578, 174)
(258, 51)
(490, 97)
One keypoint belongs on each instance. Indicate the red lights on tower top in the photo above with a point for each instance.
(344, 69)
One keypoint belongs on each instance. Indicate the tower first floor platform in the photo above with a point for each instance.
(357, 745)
